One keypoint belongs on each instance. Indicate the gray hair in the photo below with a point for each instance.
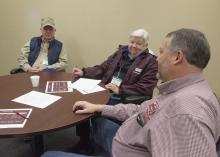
(142, 34)
(193, 44)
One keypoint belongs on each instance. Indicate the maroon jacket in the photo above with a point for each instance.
(140, 78)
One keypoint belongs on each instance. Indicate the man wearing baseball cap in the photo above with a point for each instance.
(43, 53)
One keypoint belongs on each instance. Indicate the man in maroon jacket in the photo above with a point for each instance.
(130, 71)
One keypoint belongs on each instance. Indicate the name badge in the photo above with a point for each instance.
(45, 62)
(117, 81)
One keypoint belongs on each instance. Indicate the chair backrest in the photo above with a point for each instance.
(218, 147)
(16, 70)
(136, 99)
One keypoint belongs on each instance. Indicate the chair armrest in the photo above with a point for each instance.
(136, 99)
(16, 70)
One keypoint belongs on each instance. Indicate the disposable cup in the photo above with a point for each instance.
(35, 80)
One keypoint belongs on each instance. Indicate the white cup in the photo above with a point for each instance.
(35, 80)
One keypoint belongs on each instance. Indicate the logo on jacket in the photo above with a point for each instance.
(137, 70)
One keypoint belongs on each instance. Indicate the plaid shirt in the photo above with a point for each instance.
(182, 121)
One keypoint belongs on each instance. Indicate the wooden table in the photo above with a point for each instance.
(57, 116)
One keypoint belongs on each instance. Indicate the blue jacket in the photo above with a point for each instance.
(54, 50)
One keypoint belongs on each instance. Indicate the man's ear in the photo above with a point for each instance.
(178, 57)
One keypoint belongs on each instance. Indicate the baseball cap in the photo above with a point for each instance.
(47, 21)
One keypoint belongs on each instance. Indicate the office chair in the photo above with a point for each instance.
(218, 142)
(134, 99)
(16, 70)
(218, 147)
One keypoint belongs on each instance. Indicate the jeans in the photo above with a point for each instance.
(103, 132)
(63, 154)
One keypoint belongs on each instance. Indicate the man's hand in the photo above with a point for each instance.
(76, 72)
(34, 69)
(113, 87)
(83, 107)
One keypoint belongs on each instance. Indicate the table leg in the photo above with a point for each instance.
(38, 145)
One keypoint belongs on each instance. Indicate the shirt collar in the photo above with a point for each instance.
(174, 85)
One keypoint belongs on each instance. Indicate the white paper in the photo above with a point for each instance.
(37, 99)
(95, 89)
(86, 86)
(53, 87)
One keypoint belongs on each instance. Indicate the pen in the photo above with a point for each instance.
(17, 113)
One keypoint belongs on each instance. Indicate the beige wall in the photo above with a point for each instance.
(92, 29)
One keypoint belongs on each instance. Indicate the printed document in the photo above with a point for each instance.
(14, 118)
(58, 87)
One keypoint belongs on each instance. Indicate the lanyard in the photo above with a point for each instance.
(123, 62)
